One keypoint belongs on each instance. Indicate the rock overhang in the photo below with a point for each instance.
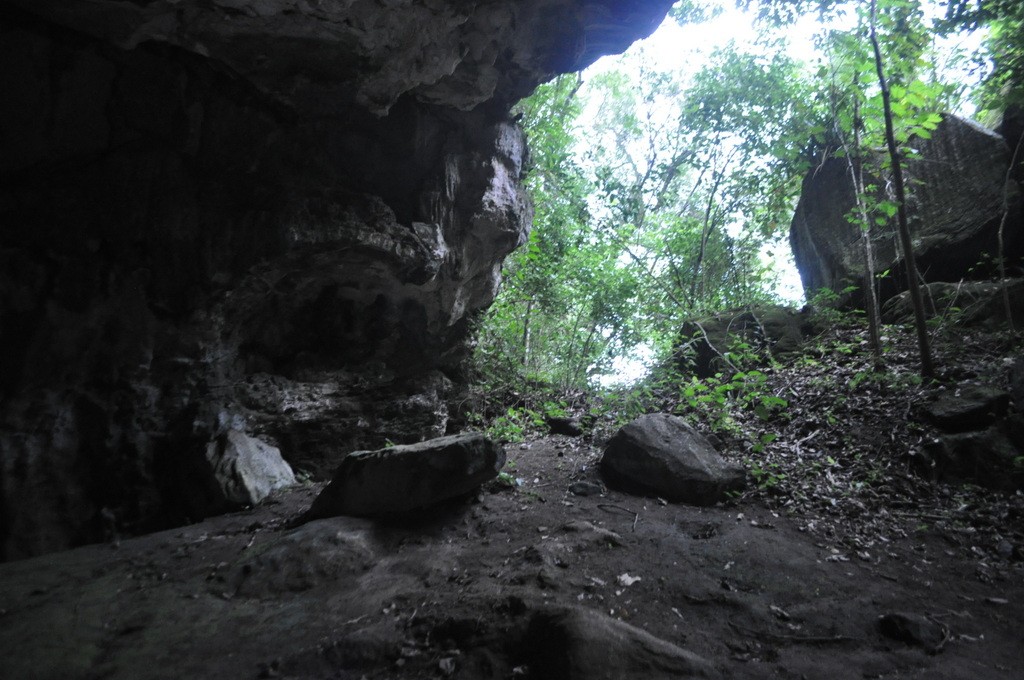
(287, 211)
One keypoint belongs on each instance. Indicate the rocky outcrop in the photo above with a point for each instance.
(288, 211)
(966, 303)
(660, 454)
(957, 188)
(980, 439)
(717, 343)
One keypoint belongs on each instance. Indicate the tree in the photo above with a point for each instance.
(910, 264)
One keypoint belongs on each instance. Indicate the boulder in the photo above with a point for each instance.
(966, 303)
(991, 457)
(245, 469)
(402, 478)
(580, 644)
(957, 184)
(706, 344)
(660, 454)
(969, 407)
(570, 427)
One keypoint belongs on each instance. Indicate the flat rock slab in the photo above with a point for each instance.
(404, 478)
(582, 644)
(661, 454)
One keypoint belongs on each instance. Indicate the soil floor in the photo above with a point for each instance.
(451, 593)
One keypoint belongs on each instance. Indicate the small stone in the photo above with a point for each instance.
(585, 489)
(626, 580)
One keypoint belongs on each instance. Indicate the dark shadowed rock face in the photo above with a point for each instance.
(957, 188)
(278, 213)
(966, 303)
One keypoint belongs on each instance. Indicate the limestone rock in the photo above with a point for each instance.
(407, 477)
(968, 407)
(661, 454)
(966, 303)
(200, 196)
(957, 188)
(580, 644)
(245, 469)
(779, 331)
(987, 457)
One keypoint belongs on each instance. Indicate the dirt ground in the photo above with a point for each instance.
(451, 593)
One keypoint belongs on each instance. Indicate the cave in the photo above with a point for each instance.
(278, 217)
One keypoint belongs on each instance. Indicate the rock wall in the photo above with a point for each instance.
(957, 186)
(273, 216)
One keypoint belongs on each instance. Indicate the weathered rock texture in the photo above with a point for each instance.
(957, 188)
(713, 344)
(660, 454)
(402, 478)
(979, 439)
(966, 303)
(275, 212)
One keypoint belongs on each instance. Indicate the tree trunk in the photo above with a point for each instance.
(927, 369)
(1002, 227)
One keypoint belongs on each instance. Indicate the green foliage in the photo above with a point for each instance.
(715, 400)
(514, 425)
(665, 215)
(656, 192)
(767, 475)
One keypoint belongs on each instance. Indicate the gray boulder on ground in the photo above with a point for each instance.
(958, 184)
(660, 454)
(580, 644)
(403, 478)
(245, 469)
